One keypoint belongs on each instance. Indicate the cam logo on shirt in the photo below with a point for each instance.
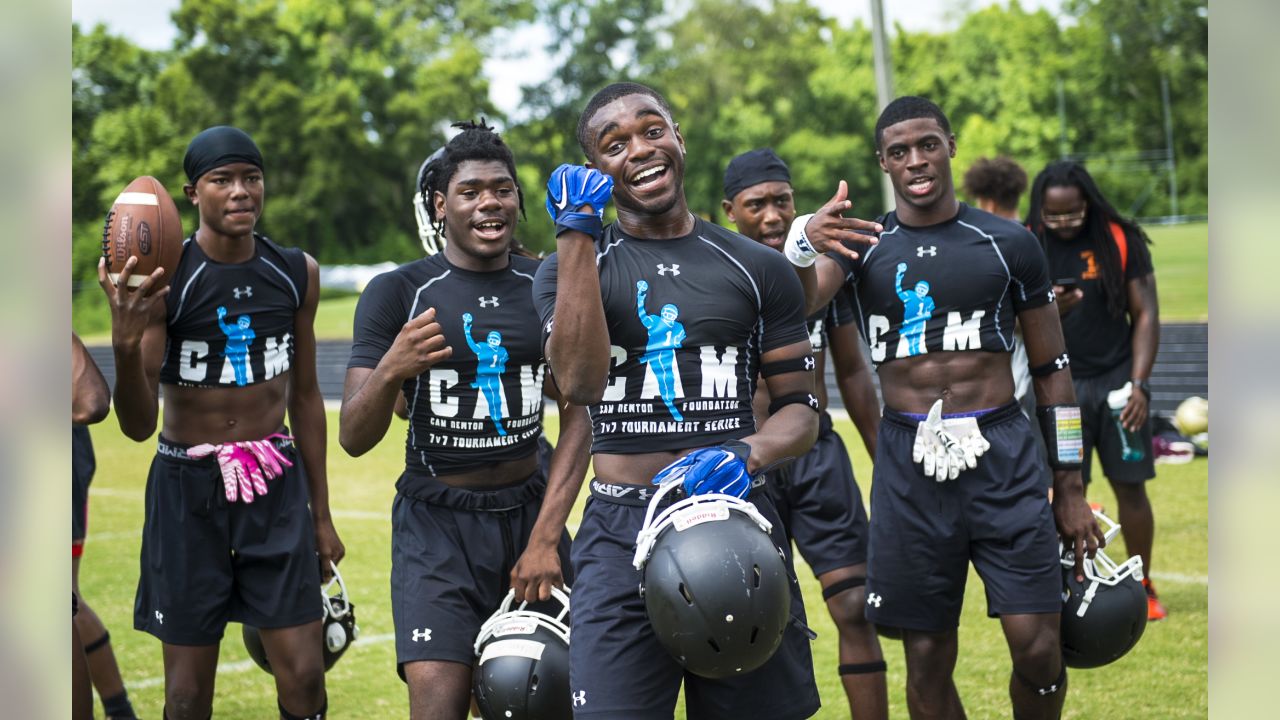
(491, 363)
(666, 334)
(917, 309)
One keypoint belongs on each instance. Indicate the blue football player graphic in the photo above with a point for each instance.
(491, 362)
(665, 335)
(239, 337)
(916, 311)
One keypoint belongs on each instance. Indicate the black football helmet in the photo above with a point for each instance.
(432, 241)
(715, 586)
(1105, 616)
(339, 627)
(522, 661)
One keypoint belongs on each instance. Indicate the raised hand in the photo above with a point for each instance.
(576, 197)
(828, 229)
(419, 345)
(131, 310)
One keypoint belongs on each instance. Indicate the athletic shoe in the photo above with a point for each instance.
(1172, 452)
(1155, 609)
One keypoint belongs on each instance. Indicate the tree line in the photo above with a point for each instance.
(346, 100)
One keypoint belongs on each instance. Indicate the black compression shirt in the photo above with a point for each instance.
(231, 324)
(688, 320)
(954, 286)
(1097, 340)
(484, 404)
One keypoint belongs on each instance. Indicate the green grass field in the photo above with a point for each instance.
(1181, 254)
(1165, 676)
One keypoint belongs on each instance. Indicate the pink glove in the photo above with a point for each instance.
(246, 465)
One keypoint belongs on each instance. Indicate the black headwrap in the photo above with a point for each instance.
(752, 168)
(218, 146)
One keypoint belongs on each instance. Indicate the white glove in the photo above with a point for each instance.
(945, 447)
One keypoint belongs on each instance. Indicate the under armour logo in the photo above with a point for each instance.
(1049, 690)
(809, 363)
(1051, 296)
(663, 269)
(1062, 361)
(813, 401)
(643, 494)
(246, 291)
(423, 635)
(159, 617)
(488, 302)
(550, 323)
(874, 599)
(580, 698)
(932, 251)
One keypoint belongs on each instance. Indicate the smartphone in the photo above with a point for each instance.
(1068, 284)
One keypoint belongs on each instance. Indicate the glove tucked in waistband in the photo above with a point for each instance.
(246, 465)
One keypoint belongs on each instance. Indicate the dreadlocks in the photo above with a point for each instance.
(1100, 214)
(477, 141)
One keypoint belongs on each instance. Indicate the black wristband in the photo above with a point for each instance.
(586, 223)
(1059, 363)
(1144, 386)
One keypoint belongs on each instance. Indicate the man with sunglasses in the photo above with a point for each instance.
(1106, 291)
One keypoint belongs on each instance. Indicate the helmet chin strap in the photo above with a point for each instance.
(335, 606)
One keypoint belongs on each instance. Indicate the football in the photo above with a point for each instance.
(143, 221)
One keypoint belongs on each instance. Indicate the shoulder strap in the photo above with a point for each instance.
(1122, 243)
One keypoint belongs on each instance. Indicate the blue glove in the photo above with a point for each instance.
(720, 469)
(569, 188)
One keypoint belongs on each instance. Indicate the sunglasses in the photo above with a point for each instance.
(1065, 220)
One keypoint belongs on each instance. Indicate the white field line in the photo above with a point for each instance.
(1180, 579)
(244, 665)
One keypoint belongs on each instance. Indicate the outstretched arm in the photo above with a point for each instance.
(827, 231)
(466, 332)
(308, 423)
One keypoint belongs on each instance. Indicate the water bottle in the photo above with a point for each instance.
(1130, 442)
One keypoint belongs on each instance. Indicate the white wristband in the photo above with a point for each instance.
(797, 248)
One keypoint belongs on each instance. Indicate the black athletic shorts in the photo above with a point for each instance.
(452, 551)
(206, 561)
(821, 506)
(617, 667)
(1101, 431)
(83, 465)
(924, 533)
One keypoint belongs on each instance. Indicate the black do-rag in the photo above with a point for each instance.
(218, 146)
(752, 168)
